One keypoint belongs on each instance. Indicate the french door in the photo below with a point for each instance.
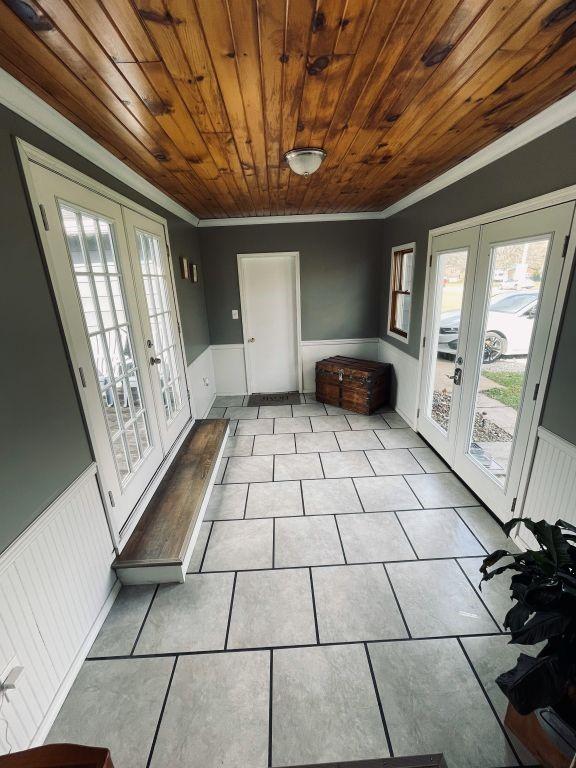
(110, 274)
(492, 296)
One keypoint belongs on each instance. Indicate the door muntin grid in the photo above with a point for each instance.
(99, 283)
(164, 336)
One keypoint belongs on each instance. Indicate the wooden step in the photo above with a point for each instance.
(161, 545)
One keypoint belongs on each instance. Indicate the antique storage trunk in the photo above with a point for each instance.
(362, 386)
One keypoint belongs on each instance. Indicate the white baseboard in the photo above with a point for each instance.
(406, 373)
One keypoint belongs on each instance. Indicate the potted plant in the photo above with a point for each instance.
(543, 588)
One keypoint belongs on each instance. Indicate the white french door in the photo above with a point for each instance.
(147, 243)
(492, 295)
(112, 286)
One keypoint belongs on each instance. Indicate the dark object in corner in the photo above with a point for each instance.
(361, 386)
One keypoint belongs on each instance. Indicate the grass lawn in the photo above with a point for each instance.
(512, 383)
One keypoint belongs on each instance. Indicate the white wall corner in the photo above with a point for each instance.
(406, 376)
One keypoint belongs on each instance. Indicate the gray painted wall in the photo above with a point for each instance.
(339, 275)
(544, 165)
(43, 442)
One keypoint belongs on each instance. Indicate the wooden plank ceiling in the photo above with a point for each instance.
(203, 97)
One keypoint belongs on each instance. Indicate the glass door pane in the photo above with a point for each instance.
(511, 308)
(100, 287)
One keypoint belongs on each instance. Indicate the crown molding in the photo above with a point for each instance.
(28, 105)
(297, 218)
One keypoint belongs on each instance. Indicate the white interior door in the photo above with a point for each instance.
(451, 285)
(269, 287)
(155, 291)
(90, 268)
(520, 264)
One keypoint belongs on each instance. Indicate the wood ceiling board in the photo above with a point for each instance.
(204, 97)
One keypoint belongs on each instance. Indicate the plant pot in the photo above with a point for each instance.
(543, 732)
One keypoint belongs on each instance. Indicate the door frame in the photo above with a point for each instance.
(564, 195)
(30, 155)
(295, 255)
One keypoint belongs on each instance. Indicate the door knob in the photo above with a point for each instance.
(155, 360)
(251, 339)
(457, 378)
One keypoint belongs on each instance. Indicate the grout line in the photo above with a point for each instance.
(397, 602)
(488, 699)
(273, 541)
(153, 745)
(302, 499)
(206, 548)
(144, 620)
(246, 500)
(471, 531)
(230, 611)
(270, 694)
(314, 606)
(321, 466)
(273, 466)
(371, 467)
(478, 595)
(340, 539)
(379, 701)
(397, 516)
(359, 499)
(282, 647)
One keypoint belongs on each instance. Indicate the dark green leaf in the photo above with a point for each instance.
(541, 627)
(534, 682)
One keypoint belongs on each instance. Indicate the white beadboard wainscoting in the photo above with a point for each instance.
(552, 486)
(202, 383)
(229, 369)
(56, 588)
(406, 375)
(312, 351)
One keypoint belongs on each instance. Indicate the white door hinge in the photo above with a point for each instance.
(111, 497)
(44, 217)
(423, 342)
(513, 507)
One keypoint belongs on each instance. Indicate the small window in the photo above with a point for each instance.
(401, 272)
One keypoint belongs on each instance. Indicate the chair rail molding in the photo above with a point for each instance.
(56, 588)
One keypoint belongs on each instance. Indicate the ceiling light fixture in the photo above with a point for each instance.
(305, 161)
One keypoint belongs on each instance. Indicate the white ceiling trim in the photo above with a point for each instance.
(27, 104)
(296, 218)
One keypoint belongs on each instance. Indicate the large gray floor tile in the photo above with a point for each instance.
(395, 421)
(188, 617)
(292, 425)
(241, 413)
(255, 427)
(216, 413)
(227, 502)
(239, 446)
(486, 529)
(346, 463)
(495, 593)
(272, 608)
(237, 545)
(429, 460)
(358, 440)
(375, 536)
(267, 445)
(275, 411)
(221, 469)
(329, 423)
(324, 707)
(216, 715)
(433, 703)
(442, 490)
(274, 499)
(437, 599)
(335, 410)
(119, 631)
(228, 401)
(115, 704)
(394, 461)
(297, 466)
(400, 438)
(439, 533)
(384, 494)
(309, 409)
(306, 541)
(248, 469)
(355, 602)
(375, 421)
(199, 547)
(490, 656)
(327, 497)
(315, 442)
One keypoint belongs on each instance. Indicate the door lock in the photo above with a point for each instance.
(155, 360)
(457, 378)
(251, 340)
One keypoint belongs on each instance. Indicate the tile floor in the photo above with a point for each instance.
(331, 612)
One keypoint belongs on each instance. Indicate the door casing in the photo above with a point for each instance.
(243, 304)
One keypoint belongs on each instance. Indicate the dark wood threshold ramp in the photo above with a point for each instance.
(160, 548)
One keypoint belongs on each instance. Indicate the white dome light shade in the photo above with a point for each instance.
(305, 161)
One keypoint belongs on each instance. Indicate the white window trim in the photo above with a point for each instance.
(389, 331)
